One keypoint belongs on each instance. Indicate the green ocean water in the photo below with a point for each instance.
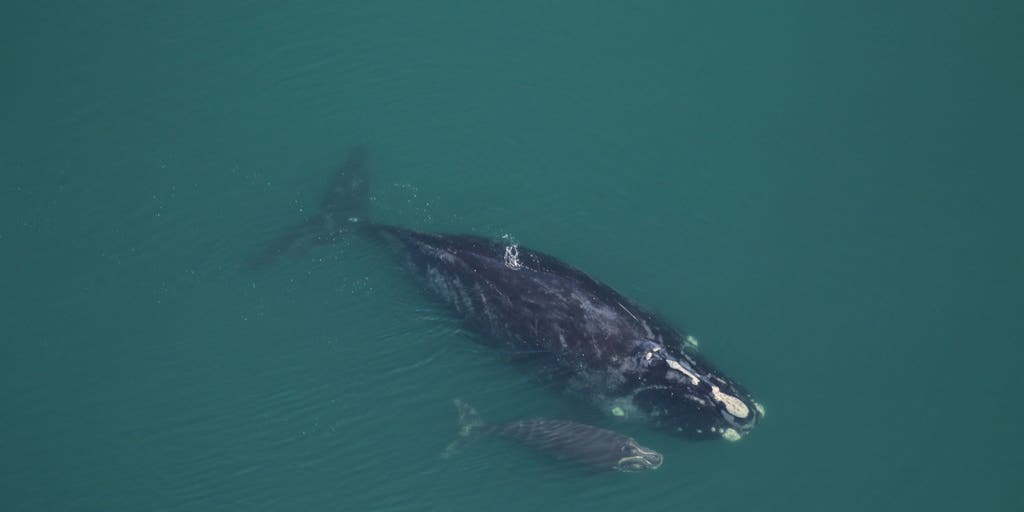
(827, 196)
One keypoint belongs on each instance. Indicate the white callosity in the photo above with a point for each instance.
(730, 435)
(734, 405)
(672, 363)
(760, 408)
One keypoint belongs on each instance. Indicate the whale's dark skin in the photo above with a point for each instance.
(596, 448)
(606, 348)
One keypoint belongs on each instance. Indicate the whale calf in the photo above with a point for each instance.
(596, 448)
(593, 342)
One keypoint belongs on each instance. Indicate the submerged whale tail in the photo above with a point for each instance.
(345, 204)
(469, 425)
(469, 419)
(348, 197)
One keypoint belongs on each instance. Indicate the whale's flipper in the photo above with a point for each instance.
(345, 203)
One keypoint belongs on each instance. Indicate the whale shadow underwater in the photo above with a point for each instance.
(604, 348)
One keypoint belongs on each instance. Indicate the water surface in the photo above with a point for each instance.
(827, 197)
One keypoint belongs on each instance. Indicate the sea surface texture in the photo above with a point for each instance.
(827, 196)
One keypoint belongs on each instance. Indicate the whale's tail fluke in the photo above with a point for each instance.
(344, 205)
(469, 427)
(469, 419)
(348, 197)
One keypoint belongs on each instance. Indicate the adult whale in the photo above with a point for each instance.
(599, 344)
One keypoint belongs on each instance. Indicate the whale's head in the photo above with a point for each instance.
(680, 391)
(638, 458)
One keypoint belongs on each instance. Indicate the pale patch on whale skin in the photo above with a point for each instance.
(734, 405)
(625, 408)
(731, 435)
(437, 252)
(672, 363)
